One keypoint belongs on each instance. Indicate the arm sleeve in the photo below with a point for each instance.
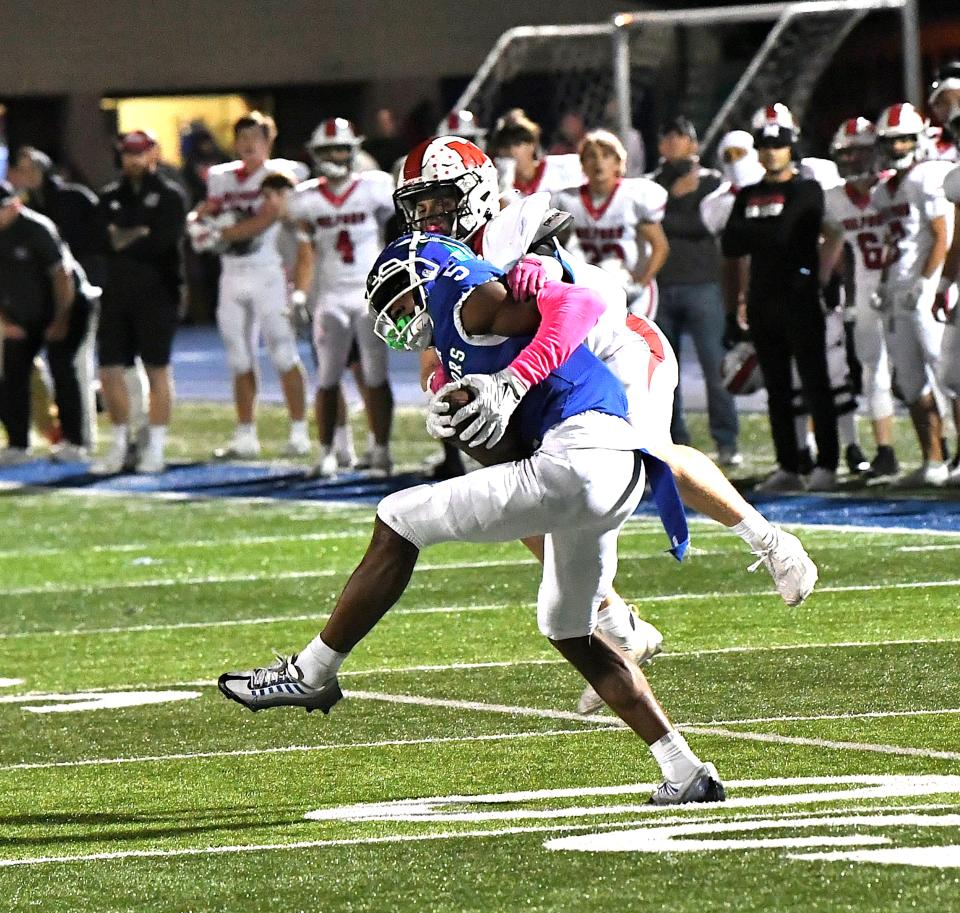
(736, 236)
(567, 314)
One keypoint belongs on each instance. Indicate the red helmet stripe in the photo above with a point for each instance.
(895, 112)
(413, 165)
(453, 122)
(473, 157)
(771, 113)
(851, 128)
(330, 128)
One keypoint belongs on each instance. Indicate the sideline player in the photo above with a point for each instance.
(343, 212)
(616, 218)
(514, 144)
(238, 223)
(851, 219)
(918, 224)
(578, 487)
(946, 309)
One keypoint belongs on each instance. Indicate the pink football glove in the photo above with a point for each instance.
(526, 278)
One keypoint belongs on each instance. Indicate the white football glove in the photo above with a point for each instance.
(205, 237)
(439, 425)
(498, 395)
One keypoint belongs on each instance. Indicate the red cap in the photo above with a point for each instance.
(137, 141)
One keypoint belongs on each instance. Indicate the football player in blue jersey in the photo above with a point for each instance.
(581, 480)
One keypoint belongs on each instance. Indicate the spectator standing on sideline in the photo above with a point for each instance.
(691, 298)
(569, 136)
(776, 222)
(72, 209)
(39, 307)
(142, 222)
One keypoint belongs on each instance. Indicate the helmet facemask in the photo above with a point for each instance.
(855, 162)
(404, 331)
(891, 158)
(443, 207)
(334, 162)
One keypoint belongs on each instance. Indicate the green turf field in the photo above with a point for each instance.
(129, 783)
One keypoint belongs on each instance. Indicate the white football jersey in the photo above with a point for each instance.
(607, 229)
(823, 171)
(554, 173)
(951, 186)
(854, 214)
(508, 236)
(347, 226)
(230, 188)
(908, 202)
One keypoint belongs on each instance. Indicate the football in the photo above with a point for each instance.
(507, 450)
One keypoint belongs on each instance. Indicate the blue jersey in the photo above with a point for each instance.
(581, 384)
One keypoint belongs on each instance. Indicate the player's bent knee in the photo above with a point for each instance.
(401, 512)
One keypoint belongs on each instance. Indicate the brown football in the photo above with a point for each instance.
(507, 450)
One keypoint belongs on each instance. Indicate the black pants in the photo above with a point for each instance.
(794, 328)
(18, 356)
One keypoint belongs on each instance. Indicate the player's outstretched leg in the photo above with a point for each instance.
(309, 679)
(625, 689)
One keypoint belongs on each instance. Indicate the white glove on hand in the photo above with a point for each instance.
(204, 236)
(297, 311)
(439, 424)
(498, 395)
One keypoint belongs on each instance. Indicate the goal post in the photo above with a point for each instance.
(591, 65)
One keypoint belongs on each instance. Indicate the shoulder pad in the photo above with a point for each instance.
(553, 223)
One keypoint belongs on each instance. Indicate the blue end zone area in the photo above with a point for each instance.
(289, 482)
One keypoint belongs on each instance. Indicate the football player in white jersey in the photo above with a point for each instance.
(944, 103)
(918, 223)
(851, 219)
(617, 220)
(236, 221)
(515, 147)
(450, 186)
(946, 308)
(344, 212)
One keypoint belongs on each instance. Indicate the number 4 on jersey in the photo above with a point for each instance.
(344, 246)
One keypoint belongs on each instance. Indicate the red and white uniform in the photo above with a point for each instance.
(347, 226)
(607, 230)
(253, 284)
(633, 348)
(853, 214)
(554, 173)
(950, 352)
(716, 206)
(908, 202)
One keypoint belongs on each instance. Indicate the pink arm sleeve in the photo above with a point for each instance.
(568, 313)
(438, 378)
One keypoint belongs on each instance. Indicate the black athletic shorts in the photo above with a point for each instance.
(138, 316)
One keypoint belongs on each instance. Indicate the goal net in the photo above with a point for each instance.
(604, 72)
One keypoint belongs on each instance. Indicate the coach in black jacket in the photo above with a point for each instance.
(777, 224)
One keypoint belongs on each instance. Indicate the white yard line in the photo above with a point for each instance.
(822, 717)
(773, 738)
(610, 726)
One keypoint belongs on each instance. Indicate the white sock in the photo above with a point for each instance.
(755, 530)
(157, 440)
(847, 428)
(298, 428)
(121, 437)
(380, 451)
(246, 429)
(318, 662)
(343, 438)
(675, 757)
(618, 623)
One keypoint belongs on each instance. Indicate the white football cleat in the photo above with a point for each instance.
(929, 475)
(297, 446)
(112, 462)
(346, 458)
(377, 464)
(794, 574)
(279, 685)
(326, 468)
(241, 447)
(68, 453)
(150, 464)
(646, 645)
(703, 785)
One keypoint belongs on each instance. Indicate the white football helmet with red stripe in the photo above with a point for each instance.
(464, 123)
(901, 121)
(852, 148)
(447, 185)
(774, 122)
(333, 147)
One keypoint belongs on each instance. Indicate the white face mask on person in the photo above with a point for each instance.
(745, 171)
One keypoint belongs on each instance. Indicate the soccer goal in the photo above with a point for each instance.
(586, 67)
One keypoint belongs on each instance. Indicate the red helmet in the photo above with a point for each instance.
(774, 123)
(459, 181)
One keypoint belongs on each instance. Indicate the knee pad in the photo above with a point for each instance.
(395, 510)
(283, 354)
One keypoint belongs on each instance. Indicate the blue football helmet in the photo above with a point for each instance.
(409, 264)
